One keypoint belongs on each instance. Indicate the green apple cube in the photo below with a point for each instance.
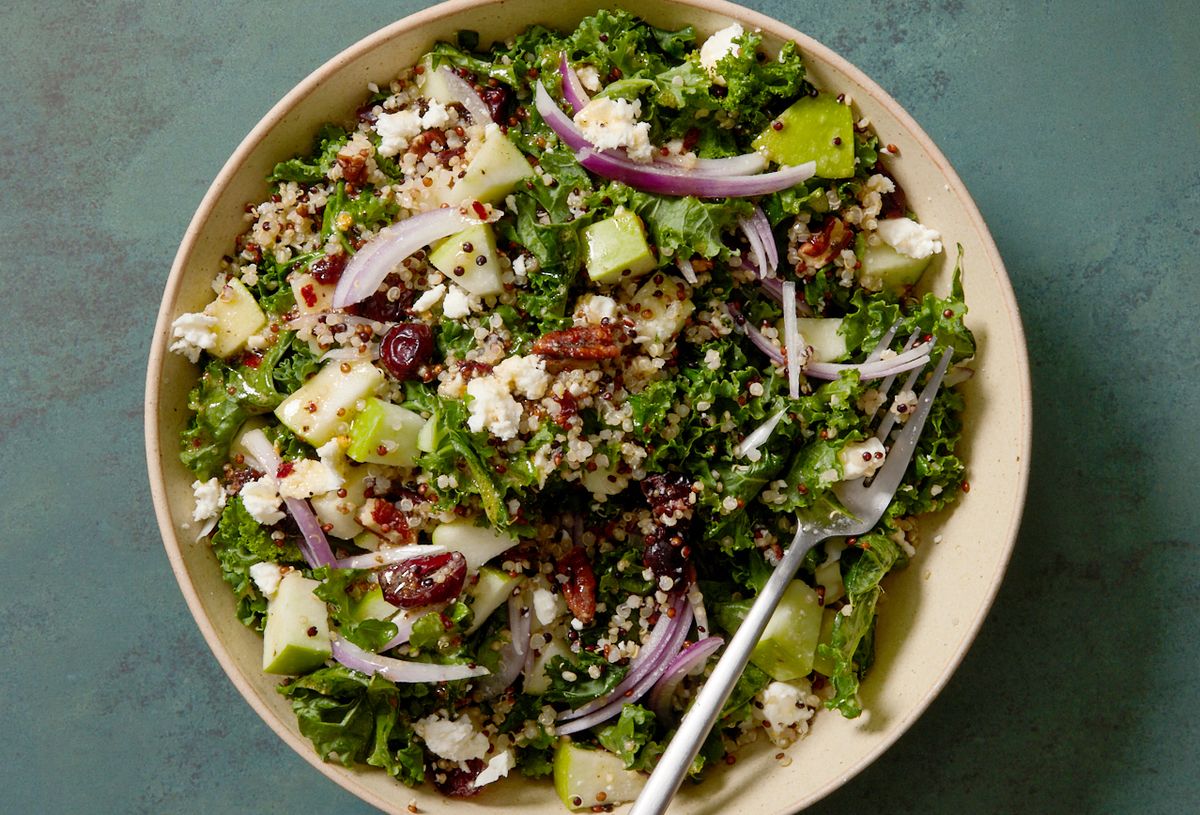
(661, 307)
(488, 593)
(337, 512)
(535, 680)
(616, 248)
(383, 433)
(372, 606)
(787, 646)
(823, 335)
(492, 173)
(816, 128)
(433, 85)
(296, 637)
(478, 544)
(311, 295)
(238, 318)
(459, 258)
(430, 437)
(895, 271)
(320, 408)
(829, 577)
(821, 664)
(580, 775)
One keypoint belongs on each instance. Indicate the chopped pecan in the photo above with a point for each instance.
(579, 590)
(586, 343)
(354, 168)
(829, 241)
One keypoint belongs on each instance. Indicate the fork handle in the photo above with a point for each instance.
(702, 715)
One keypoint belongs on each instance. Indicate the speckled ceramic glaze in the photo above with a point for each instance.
(933, 609)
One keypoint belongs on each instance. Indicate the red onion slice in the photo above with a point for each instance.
(686, 269)
(404, 620)
(367, 269)
(662, 181)
(512, 655)
(913, 358)
(762, 227)
(400, 670)
(314, 545)
(745, 164)
(572, 88)
(647, 656)
(792, 341)
(388, 555)
(654, 177)
(464, 93)
(688, 660)
(758, 437)
(615, 701)
(754, 335)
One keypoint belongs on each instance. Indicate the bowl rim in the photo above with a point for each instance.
(808, 46)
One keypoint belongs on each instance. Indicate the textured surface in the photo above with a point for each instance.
(1075, 125)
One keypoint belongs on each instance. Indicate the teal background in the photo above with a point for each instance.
(1076, 126)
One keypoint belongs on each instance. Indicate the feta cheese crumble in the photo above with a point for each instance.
(492, 408)
(267, 576)
(496, 769)
(261, 500)
(457, 303)
(547, 606)
(456, 740)
(209, 499)
(716, 47)
(861, 459)
(910, 238)
(429, 299)
(610, 124)
(783, 710)
(309, 478)
(524, 375)
(193, 333)
(395, 130)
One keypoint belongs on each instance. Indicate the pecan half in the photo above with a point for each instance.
(585, 343)
(580, 589)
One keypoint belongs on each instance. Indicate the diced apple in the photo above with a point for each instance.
(311, 295)
(892, 270)
(329, 400)
(587, 778)
(478, 544)
(338, 512)
(296, 636)
(616, 248)
(238, 318)
(493, 172)
(816, 128)
(823, 335)
(458, 258)
(490, 591)
(384, 433)
(661, 308)
(535, 680)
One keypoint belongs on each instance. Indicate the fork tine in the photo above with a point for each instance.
(887, 479)
(889, 418)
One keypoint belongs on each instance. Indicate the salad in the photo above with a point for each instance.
(514, 387)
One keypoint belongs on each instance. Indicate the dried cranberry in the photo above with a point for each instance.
(424, 580)
(580, 589)
(382, 308)
(405, 348)
(328, 270)
(497, 99)
(460, 783)
(669, 495)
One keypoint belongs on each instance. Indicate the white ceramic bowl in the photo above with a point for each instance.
(933, 609)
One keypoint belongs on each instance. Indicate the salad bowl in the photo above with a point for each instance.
(934, 607)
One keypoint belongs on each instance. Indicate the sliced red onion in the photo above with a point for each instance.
(745, 164)
(613, 702)
(572, 88)
(464, 93)
(757, 250)
(760, 224)
(404, 620)
(913, 358)
(383, 253)
(389, 554)
(754, 335)
(646, 657)
(664, 181)
(512, 655)
(689, 273)
(792, 341)
(370, 351)
(758, 436)
(688, 660)
(400, 670)
(314, 545)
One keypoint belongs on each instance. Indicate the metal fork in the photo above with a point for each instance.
(865, 503)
